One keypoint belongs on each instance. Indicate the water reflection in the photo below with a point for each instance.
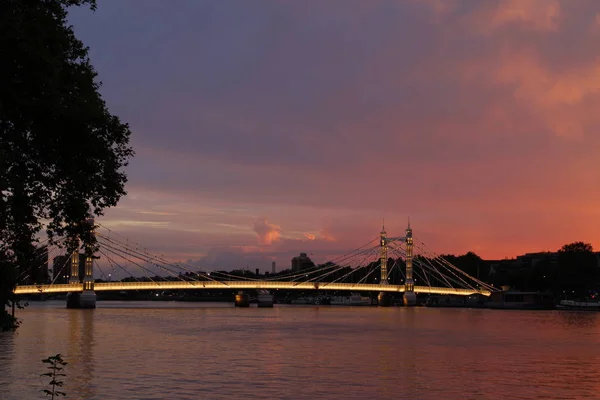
(273, 345)
(7, 356)
(81, 352)
(579, 318)
(201, 351)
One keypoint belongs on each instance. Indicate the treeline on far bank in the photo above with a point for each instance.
(571, 272)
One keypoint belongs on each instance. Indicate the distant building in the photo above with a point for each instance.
(301, 262)
(534, 258)
(528, 260)
(62, 268)
(273, 267)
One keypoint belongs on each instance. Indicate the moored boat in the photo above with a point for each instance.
(579, 305)
(352, 300)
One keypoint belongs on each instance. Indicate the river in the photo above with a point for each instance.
(162, 350)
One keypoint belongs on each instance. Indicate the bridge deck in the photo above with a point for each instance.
(240, 285)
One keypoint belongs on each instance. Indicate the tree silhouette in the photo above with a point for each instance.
(61, 150)
(578, 271)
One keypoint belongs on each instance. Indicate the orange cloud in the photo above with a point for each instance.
(309, 236)
(554, 87)
(326, 234)
(267, 233)
(550, 95)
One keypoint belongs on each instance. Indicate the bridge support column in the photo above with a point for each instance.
(73, 300)
(383, 299)
(410, 298)
(242, 299)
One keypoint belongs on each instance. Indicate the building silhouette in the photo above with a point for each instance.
(62, 268)
(301, 262)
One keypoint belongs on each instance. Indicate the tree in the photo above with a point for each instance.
(576, 247)
(578, 271)
(62, 152)
(470, 263)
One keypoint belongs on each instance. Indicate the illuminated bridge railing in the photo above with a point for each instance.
(57, 288)
(240, 285)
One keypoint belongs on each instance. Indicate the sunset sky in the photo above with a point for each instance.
(267, 128)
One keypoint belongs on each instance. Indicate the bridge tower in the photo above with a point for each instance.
(410, 298)
(74, 277)
(73, 298)
(87, 298)
(383, 299)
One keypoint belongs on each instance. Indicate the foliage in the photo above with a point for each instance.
(61, 151)
(577, 247)
(57, 365)
(578, 272)
(470, 263)
(7, 279)
(8, 322)
(571, 272)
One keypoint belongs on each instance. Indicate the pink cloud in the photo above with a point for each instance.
(267, 233)
(542, 15)
(309, 236)
(326, 234)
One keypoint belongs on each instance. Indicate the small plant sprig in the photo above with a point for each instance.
(57, 364)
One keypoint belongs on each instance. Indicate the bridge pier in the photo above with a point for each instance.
(73, 300)
(384, 299)
(87, 299)
(242, 299)
(409, 299)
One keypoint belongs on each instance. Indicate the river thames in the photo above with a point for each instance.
(162, 350)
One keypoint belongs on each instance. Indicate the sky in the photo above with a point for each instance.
(267, 128)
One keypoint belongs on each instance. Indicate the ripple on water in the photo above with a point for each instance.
(207, 351)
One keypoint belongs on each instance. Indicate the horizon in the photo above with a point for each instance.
(266, 130)
(265, 265)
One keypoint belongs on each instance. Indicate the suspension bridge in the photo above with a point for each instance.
(385, 265)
